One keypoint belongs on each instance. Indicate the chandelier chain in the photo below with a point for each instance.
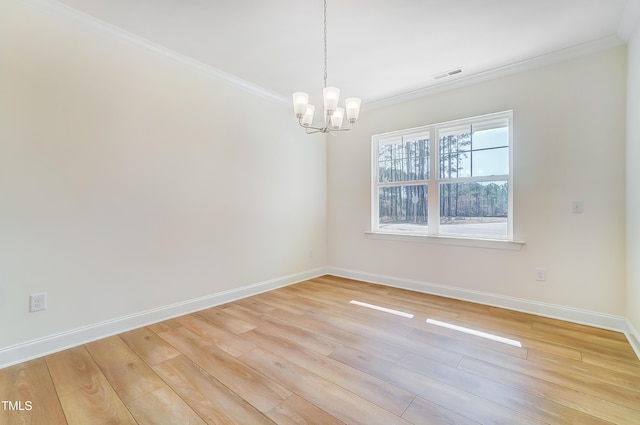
(325, 43)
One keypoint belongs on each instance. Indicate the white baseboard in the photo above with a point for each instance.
(634, 338)
(585, 317)
(52, 343)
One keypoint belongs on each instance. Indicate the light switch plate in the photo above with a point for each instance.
(577, 207)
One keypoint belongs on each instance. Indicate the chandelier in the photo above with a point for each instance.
(333, 114)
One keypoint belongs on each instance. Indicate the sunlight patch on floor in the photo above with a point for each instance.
(386, 310)
(475, 332)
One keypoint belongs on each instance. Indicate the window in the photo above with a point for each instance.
(450, 179)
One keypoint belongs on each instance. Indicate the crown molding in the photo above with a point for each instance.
(73, 17)
(502, 71)
(630, 20)
(70, 16)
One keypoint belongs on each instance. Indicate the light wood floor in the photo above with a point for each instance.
(304, 355)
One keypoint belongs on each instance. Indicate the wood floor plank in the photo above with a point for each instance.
(384, 292)
(520, 330)
(220, 337)
(303, 354)
(363, 321)
(592, 385)
(422, 411)
(375, 324)
(596, 343)
(338, 335)
(73, 370)
(252, 304)
(207, 396)
(297, 411)
(370, 388)
(389, 336)
(617, 377)
(383, 335)
(461, 345)
(99, 406)
(541, 322)
(631, 366)
(163, 407)
(262, 392)
(248, 312)
(30, 385)
(127, 373)
(594, 406)
(149, 346)
(85, 394)
(281, 300)
(164, 326)
(306, 337)
(499, 322)
(532, 343)
(519, 400)
(321, 392)
(368, 318)
(445, 395)
(222, 320)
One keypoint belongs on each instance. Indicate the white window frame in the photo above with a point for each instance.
(433, 183)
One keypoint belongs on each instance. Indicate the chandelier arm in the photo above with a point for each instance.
(310, 127)
(342, 129)
(326, 129)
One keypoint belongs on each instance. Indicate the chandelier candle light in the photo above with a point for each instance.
(333, 115)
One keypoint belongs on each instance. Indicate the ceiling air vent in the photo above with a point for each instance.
(447, 74)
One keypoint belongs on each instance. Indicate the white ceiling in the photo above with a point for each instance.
(377, 48)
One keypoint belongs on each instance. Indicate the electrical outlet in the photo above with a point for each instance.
(38, 302)
(541, 275)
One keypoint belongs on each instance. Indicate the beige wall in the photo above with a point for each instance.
(569, 137)
(633, 183)
(129, 181)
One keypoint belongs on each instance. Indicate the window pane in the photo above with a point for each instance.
(406, 161)
(491, 138)
(403, 208)
(455, 153)
(491, 162)
(483, 152)
(474, 209)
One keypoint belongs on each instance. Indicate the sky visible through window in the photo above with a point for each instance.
(496, 141)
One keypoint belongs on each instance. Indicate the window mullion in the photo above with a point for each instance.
(375, 200)
(433, 191)
(475, 179)
(403, 183)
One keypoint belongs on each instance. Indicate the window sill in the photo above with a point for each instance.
(448, 240)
